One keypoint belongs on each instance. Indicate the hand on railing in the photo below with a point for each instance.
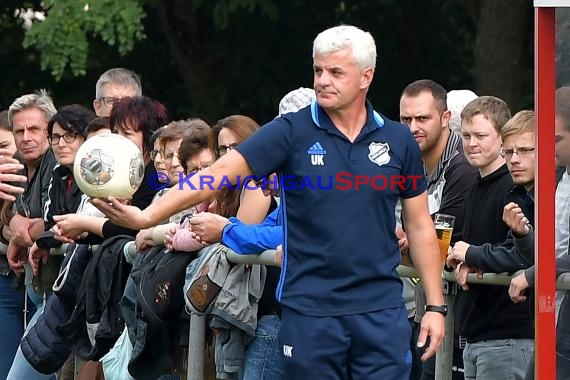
(457, 254)
(519, 285)
(462, 271)
(169, 237)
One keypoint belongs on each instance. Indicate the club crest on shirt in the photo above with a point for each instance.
(379, 153)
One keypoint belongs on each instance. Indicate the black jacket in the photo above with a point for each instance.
(98, 299)
(43, 346)
(457, 177)
(517, 252)
(64, 196)
(508, 256)
(486, 312)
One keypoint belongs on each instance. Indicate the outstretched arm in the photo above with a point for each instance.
(189, 192)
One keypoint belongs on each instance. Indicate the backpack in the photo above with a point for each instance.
(159, 281)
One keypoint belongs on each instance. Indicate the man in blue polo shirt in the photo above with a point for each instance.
(346, 166)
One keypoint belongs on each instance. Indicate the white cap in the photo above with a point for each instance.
(296, 100)
(456, 101)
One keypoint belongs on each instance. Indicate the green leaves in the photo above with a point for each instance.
(62, 38)
(223, 9)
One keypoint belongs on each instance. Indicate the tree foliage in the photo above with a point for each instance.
(62, 38)
(213, 58)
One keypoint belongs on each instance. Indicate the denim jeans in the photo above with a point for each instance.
(497, 359)
(11, 321)
(21, 368)
(264, 358)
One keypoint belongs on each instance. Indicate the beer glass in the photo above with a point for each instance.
(444, 228)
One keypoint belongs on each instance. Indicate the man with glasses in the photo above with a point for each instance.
(113, 85)
(518, 289)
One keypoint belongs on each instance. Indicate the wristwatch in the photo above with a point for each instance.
(442, 309)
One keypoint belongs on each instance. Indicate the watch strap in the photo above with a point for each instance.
(442, 309)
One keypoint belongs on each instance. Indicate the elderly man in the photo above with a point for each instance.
(113, 85)
(29, 115)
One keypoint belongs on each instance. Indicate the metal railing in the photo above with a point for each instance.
(444, 358)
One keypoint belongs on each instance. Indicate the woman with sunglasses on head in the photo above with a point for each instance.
(248, 203)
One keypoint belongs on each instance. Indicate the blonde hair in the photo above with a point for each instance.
(523, 122)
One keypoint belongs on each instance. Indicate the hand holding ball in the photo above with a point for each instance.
(108, 165)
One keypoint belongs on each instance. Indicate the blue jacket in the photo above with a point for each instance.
(253, 239)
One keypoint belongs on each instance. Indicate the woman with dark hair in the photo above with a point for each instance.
(97, 126)
(135, 118)
(66, 131)
(249, 205)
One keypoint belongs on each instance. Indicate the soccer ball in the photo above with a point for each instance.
(108, 165)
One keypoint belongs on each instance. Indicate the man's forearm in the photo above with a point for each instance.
(424, 250)
(496, 258)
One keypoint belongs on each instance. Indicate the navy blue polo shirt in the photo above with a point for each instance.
(340, 250)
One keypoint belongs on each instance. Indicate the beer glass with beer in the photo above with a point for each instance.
(443, 228)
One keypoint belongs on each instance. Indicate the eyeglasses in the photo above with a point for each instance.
(109, 100)
(168, 157)
(67, 137)
(154, 153)
(223, 149)
(521, 152)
